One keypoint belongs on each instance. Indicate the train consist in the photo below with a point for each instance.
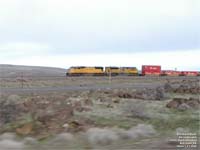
(146, 70)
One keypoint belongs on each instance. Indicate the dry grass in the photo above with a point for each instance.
(97, 136)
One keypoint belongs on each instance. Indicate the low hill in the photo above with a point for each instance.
(17, 70)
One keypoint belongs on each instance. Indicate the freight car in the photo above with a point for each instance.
(189, 73)
(170, 73)
(149, 70)
(83, 70)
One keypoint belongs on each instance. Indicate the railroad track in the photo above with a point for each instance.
(77, 88)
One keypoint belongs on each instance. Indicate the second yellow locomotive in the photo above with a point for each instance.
(131, 71)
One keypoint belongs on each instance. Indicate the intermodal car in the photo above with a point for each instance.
(151, 70)
(189, 73)
(170, 73)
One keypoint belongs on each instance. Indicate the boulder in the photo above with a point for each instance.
(124, 95)
(150, 94)
(172, 104)
(184, 103)
(168, 87)
(88, 102)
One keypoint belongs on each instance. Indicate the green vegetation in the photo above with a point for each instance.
(167, 126)
(120, 122)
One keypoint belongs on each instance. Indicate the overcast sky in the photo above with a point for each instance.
(62, 33)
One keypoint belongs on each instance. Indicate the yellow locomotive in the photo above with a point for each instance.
(99, 71)
(132, 71)
(121, 71)
(83, 70)
(112, 70)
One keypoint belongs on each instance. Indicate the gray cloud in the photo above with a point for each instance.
(57, 27)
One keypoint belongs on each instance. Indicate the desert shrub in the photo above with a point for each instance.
(182, 130)
(97, 136)
(135, 109)
(8, 112)
(139, 131)
(177, 121)
(10, 136)
(8, 142)
(13, 99)
(30, 141)
(63, 137)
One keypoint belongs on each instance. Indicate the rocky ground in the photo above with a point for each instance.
(107, 118)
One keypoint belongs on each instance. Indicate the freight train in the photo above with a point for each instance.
(147, 70)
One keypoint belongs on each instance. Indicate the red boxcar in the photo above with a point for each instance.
(189, 73)
(170, 73)
(151, 70)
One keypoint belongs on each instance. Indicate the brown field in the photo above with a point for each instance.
(43, 109)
